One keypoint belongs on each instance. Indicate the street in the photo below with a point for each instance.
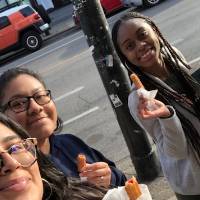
(70, 73)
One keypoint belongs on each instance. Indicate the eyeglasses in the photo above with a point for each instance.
(24, 152)
(21, 104)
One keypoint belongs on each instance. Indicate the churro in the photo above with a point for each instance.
(81, 161)
(135, 79)
(132, 188)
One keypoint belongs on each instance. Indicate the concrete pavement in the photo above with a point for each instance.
(61, 21)
(159, 188)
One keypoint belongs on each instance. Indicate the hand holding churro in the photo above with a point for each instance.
(131, 191)
(143, 93)
(98, 173)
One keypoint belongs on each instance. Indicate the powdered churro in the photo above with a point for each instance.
(81, 161)
(132, 188)
(135, 79)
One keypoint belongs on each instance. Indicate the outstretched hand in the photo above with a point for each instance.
(158, 109)
(98, 173)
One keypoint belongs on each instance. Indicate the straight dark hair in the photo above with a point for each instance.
(59, 186)
(13, 73)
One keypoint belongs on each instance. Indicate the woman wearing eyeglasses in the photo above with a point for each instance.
(25, 99)
(27, 174)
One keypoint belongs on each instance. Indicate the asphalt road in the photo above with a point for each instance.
(69, 70)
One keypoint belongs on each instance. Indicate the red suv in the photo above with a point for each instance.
(111, 5)
(21, 26)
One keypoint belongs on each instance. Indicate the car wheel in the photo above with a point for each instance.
(150, 3)
(32, 41)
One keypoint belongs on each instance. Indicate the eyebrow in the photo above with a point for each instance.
(137, 32)
(124, 42)
(140, 29)
(22, 95)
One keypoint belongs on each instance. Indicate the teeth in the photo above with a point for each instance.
(146, 54)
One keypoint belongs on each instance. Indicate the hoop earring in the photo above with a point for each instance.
(49, 185)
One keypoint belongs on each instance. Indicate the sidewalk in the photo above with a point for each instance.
(159, 187)
(62, 22)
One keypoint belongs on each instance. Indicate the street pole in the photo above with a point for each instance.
(117, 85)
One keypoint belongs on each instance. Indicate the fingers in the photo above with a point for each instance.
(148, 109)
(100, 181)
(97, 173)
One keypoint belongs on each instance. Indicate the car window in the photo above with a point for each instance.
(12, 1)
(4, 21)
(27, 11)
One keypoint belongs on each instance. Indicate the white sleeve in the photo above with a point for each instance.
(174, 140)
(167, 133)
(147, 125)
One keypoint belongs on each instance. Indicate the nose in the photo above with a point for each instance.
(9, 164)
(34, 107)
(140, 45)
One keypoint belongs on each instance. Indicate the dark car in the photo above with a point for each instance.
(59, 3)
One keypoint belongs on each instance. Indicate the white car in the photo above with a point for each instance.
(147, 3)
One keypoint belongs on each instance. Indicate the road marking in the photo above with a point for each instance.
(194, 60)
(65, 44)
(68, 93)
(47, 52)
(177, 41)
(81, 115)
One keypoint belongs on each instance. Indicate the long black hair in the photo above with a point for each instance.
(59, 187)
(191, 97)
(13, 73)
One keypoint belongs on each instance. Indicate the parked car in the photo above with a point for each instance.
(111, 5)
(108, 6)
(147, 3)
(21, 26)
(59, 3)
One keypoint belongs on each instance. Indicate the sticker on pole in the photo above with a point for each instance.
(109, 61)
(115, 100)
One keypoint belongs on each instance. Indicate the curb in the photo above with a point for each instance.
(58, 34)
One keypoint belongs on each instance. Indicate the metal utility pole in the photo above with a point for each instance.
(117, 85)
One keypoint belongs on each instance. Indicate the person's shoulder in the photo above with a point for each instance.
(179, 53)
(62, 136)
(66, 137)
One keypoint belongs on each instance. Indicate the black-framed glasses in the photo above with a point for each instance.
(24, 152)
(21, 104)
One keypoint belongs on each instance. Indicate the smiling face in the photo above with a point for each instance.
(16, 182)
(39, 120)
(139, 43)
